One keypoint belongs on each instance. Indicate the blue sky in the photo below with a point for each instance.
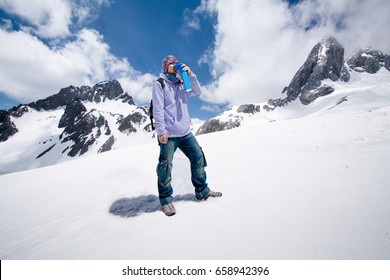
(146, 31)
(242, 51)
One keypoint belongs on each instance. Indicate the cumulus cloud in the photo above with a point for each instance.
(44, 17)
(52, 18)
(94, 57)
(33, 68)
(259, 45)
(212, 108)
(191, 22)
(27, 64)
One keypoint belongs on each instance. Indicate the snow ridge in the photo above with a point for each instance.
(300, 182)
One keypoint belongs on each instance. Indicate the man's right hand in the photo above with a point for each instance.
(163, 139)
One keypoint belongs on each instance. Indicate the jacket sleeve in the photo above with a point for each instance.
(158, 108)
(195, 85)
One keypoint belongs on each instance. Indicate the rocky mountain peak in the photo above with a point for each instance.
(330, 60)
(7, 127)
(368, 60)
(111, 90)
(325, 61)
(324, 65)
(80, 126)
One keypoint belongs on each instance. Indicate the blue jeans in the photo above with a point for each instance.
(190, 147)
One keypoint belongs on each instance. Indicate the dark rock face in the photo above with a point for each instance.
(248, 109)
(325, 61)
(72, 112)
(18, 111)
(98, 93)
(233, 120)
(81, 128)
(129, 123)
(312, 95)
(368, 60)
(214, 125)
(80, 134)
(52, 102)
(107, 145)
(7, 127)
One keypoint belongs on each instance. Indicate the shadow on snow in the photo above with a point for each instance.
(131, 207)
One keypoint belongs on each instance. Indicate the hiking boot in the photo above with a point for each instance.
(211, 194)
(168, 209)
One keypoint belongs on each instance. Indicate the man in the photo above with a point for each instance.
(172, 122)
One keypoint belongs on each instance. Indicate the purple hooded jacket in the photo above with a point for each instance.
(170, 110)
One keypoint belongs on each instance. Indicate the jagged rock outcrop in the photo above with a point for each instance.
(214, 125)
(111, 90)
(82, 125)
(7, 127)
(324, 65)
(248, 109)
(107, 145)
(18, 111)
(229, 119)
(73, 111)
(368, 60)
(81, 122)
(132, 121)
(83, 132)
(325, 61)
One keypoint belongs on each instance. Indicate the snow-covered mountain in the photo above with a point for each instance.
(303, 181)
(77, 121)
(81, 121)
(298, 182)
(324, 72)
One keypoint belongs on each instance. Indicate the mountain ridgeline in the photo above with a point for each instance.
(89, 120)
(81, 127)
(325, 64)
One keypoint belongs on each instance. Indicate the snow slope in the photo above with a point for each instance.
(38, 131)
(298, 183)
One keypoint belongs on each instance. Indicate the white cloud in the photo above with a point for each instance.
(211, 108)
(87, 10)
(90, 51)
(32, 69)
(259, 45)
(191, 22)
(5, 24)
(46, 18)
(53, 18)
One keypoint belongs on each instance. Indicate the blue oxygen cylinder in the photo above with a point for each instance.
(184, 76)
